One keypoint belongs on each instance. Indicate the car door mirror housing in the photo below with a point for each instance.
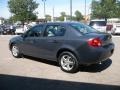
(23, 35)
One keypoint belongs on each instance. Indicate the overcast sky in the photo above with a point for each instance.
(59, 6)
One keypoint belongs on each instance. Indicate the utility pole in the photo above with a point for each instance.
(53, 13)
(44, 7)
(70, 10)
(85, 9)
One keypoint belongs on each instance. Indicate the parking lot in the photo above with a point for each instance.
(36, 73)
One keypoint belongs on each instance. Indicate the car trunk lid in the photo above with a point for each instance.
(104, 37)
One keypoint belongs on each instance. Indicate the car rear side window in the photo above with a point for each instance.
(82, 28)
(54, 30)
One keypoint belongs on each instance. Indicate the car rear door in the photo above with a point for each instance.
(52, 40)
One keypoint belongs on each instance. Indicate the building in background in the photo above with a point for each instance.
(1, 20)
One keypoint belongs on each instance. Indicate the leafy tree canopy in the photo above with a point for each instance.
(105, 9)
(23, 10)
(78, 16)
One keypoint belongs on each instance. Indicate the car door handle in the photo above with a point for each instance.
(53, 41)
(32, 41)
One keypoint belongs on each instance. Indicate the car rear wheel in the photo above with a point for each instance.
(15, 51)
(68, 62)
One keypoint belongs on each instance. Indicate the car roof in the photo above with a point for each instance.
(60, 23)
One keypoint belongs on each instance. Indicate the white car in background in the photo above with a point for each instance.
(99, 24)
(20, 29)
(116, 28)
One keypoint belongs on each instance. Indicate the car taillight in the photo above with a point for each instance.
(109, 27)
(95, 42)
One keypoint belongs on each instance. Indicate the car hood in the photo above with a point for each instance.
(16, 38)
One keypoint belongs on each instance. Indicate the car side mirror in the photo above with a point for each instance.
(23, 35)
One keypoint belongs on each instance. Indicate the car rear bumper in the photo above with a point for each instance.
(96, 55)
(116, 31)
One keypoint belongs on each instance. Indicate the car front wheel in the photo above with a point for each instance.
(15, 51)
(68, 62)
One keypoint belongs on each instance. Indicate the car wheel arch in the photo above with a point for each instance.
(71, 54)
(13, 43)
(66, 50)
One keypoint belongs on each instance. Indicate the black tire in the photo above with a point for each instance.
(15, 51)
(73, 68)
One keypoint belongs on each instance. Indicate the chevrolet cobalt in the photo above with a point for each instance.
(69, 43)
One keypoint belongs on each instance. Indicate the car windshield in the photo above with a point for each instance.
(82, 28)
(98, 23)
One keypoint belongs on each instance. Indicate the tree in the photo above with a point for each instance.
(63, 15)
(23, 10)
(12, 19)
(105, 9)
(78, 16)
(48, 17)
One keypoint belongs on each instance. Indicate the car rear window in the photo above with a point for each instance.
(98, 23)
(83, 28)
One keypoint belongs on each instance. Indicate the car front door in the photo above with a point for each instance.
(31, 41)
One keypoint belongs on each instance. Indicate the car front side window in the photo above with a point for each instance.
(35, 31)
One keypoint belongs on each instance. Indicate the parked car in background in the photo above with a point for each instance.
(109, 28)
(1, 30)
(116, 29)
(99, 24)
(12, 29)
(70, 44)
(8, 29)
(20, 29)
